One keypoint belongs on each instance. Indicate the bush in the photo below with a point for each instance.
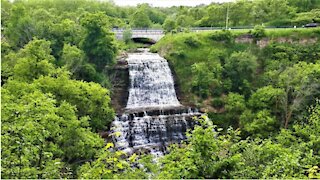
(221, 36)
(192, 42)
(127, 35)
(217, 103)
(179, 54)
(259, 32)
(169, 25)
(280, 22)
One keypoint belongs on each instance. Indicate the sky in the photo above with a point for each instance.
(166, 3)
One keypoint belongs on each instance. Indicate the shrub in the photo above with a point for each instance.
(217, 103)
(259, 32)
(179, 54)
(126, 35)
(221, 36)
(192, 42)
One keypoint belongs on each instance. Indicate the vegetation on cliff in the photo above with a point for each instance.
(268, 92)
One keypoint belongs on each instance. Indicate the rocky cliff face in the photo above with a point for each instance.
(246, 38)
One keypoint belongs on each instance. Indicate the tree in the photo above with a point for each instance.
(98, 43)
(65, 31)
(39, 135)
(240, 68)
(20, 26)
(208, 154)
(267, 97)
(259, 32)
(260, 124)
(140, 19)
(238, 13)
(33, 61)
(300, 83)
(184, 21)
(169, 25)
(154, 14)
(72, 58)
(127, 35)
(304, 5)
(205, 77)
(268, 159)
(215, 17)
(90, 99)
(113, 165)
(304, 18)
(234, 105)
(266, 10)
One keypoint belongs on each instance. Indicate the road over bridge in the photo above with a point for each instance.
(152, 34)
(156, 34)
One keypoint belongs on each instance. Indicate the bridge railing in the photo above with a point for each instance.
(160, 31)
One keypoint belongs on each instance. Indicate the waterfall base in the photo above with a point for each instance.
(152, 131)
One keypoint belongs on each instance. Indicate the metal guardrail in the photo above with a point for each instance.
(158, 30)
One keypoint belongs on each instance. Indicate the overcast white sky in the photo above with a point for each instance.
(166, 3)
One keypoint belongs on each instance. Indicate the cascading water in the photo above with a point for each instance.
(154, 117)
(151, 82)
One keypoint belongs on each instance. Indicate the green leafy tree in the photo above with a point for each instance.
(267, 97)
(140, 19)
(215, 16)
(113, 165)
(234, 105)
(260, 124)
(304, 5)
(184, 21)
(259, 32)
(300, 83)
(155, 15)
(90, 99)
(67, 31)
(39, 135)
(268, 159)
(238, 13)
(209, 154)
(20, 26)
(33, 61)
(98, 43)
(72, 58)
(169, 25)
(127, 35)
(205, 77)
(241, 68)
(88, 72)
(304, 18)
(266, 10)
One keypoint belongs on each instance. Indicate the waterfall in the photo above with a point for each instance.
(151, 82)
(154, 117)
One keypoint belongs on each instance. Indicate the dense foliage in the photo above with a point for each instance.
(267, 91)
(259, 89)
(245, 81)
(48, 120)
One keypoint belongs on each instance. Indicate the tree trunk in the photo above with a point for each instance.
(288, 117)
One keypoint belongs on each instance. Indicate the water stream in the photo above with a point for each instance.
(154, 117)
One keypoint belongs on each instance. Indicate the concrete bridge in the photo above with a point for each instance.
(155, 34)
(152, 34)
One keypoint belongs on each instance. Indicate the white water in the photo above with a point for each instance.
(151, 82)
(151, 87)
